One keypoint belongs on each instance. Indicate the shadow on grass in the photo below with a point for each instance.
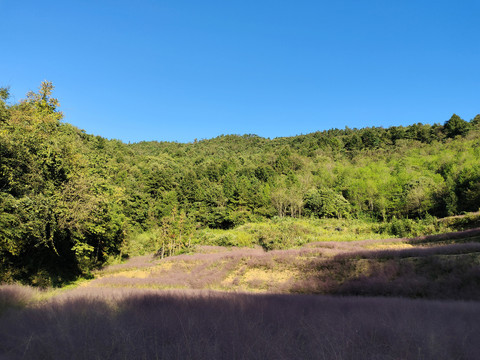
(120, 324)
(443, 266)
(438, 272)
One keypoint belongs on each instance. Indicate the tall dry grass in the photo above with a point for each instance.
(12, 295)
(120, 315)
(435, 267)
(119, 324)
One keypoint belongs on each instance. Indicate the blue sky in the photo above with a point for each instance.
(180, 70)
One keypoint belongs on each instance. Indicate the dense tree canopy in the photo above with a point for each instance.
(68, 200)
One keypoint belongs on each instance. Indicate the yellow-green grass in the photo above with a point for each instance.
(399, 267)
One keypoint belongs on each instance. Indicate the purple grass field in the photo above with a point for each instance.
(376, 299)
(186, 324)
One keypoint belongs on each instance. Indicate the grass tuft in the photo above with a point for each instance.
(16, 296)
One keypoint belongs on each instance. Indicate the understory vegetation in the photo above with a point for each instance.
(71, 202)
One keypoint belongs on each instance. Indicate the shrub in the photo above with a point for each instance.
(326, 203)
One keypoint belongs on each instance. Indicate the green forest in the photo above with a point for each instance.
(71, 202)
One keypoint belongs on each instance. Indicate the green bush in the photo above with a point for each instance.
(326, 203)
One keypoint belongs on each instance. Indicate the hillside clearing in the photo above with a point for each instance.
(445, 266)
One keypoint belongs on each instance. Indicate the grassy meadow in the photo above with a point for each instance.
(380, 298)
(187, 324)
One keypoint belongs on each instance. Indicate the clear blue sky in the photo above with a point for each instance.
(178, 70)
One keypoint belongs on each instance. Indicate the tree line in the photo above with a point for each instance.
(70, 200)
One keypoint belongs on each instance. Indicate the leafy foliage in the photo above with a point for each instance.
(69, 201)
(456, 126)
(326, 203)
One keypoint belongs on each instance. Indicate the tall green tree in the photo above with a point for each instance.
(456, 126)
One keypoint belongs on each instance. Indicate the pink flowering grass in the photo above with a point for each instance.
(15, 296)
(437, 267)
(122, 315)
(146, 324)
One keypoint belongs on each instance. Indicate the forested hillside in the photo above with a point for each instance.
(70, 200)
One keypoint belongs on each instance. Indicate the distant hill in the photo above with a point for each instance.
(70, 200)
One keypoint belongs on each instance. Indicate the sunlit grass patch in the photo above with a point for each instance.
(134, 262)
(138, 274)
(389, 246)
(261, 274)
(268, 278)
(122, 282)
